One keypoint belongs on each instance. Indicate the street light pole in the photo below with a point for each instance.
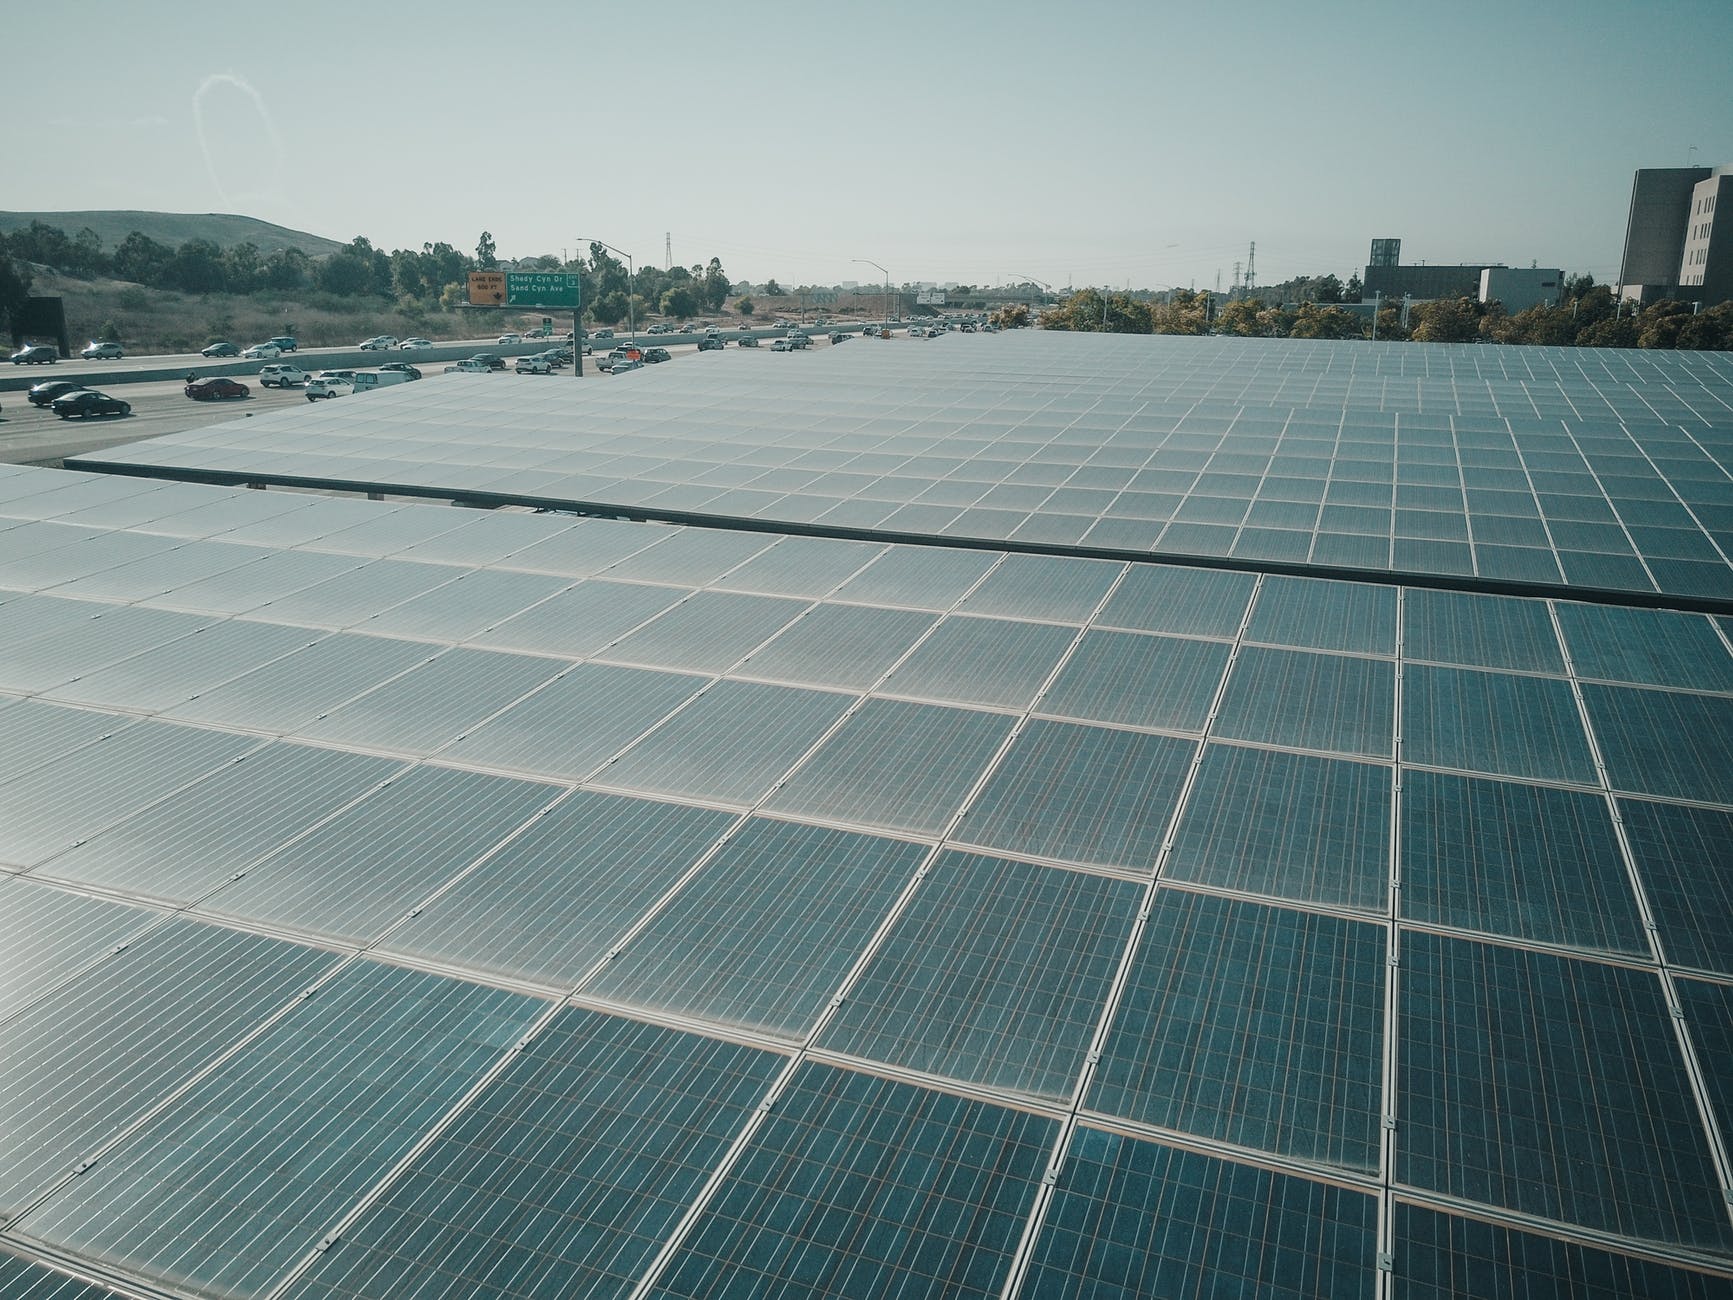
(867, 261)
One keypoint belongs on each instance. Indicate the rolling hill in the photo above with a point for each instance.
(175, 228)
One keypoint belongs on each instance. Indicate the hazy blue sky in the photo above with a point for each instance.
(1087, 141)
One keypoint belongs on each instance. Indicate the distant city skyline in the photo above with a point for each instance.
(1086, 144)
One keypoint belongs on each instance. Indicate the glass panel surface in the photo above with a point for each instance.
(1577, 1060)
(1310, 701)
(1480, 631)
(764, 934)
(1493, 722)
(1081, 794)
(1316, 830)
(1519, 860)
(996, 973)
(856, 1186)
(576, 722)
(587, 1149)
(850, 646)
(183, 846)
(730, 744)
(1664, 742)
(549, 905)
(1685, 859)
(241, 1176)
(1254, 1025)
(1319, 615)
(1139, 680)
(985, 661)
(1192, 602)
(370, 864)
(1650, 647)
(1134, 1219)
(1445, 1256)
(898, 765)
(80, 793)
(82, 1062)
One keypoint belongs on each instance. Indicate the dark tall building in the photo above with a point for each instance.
(1671, 249)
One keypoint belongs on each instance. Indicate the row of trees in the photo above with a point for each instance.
(1589, 316)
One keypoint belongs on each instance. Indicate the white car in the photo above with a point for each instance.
(414, 345)
(533, 366)
(379, 343)
(318, 388)
(262, 352)
(504, 339)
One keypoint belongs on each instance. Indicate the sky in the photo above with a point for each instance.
(1070, 142)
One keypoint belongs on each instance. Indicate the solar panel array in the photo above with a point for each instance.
(1595, 469)
(413, 901)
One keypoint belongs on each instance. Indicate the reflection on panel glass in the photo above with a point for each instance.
(628, 1120)
(764, 934)
(1664, 742)
(1082, 794)
(1133, 1219)
(241, 1175)
(1493, 722)
(85, 1060)
(1445, 1256)
(996, 973)
(896, 764)
(1255, 1025)
(857, 1186)
(1310, 701)
(1139, 680)
(1578, 1062)
(1525, 861)
(548, 905)
(1299, 826)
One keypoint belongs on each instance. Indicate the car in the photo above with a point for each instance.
(102, 352)
(469, 366)
(284, 343)
(710, 343)
(492, 361)
(44, 393)
(602, 334)
(533, 366)
(504, 339)
(327, 388)
(378, 343)
(403, 367)
(749, 340)
(35, 354)
(623, 365)
(282, 375)
(87, 402)
(653, 355)
(414, 345)
(215, 389)
(262, 352)
(221, 350)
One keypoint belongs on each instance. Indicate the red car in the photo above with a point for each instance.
(209, 390)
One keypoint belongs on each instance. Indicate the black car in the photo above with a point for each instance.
(710, 343)
(46, 392)
(221, 350)
(402, 366)
(87, 402)
(35, 354)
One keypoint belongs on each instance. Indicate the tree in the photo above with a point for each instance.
(484, 253)
(745, 306)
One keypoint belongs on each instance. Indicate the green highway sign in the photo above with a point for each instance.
(541, 289)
